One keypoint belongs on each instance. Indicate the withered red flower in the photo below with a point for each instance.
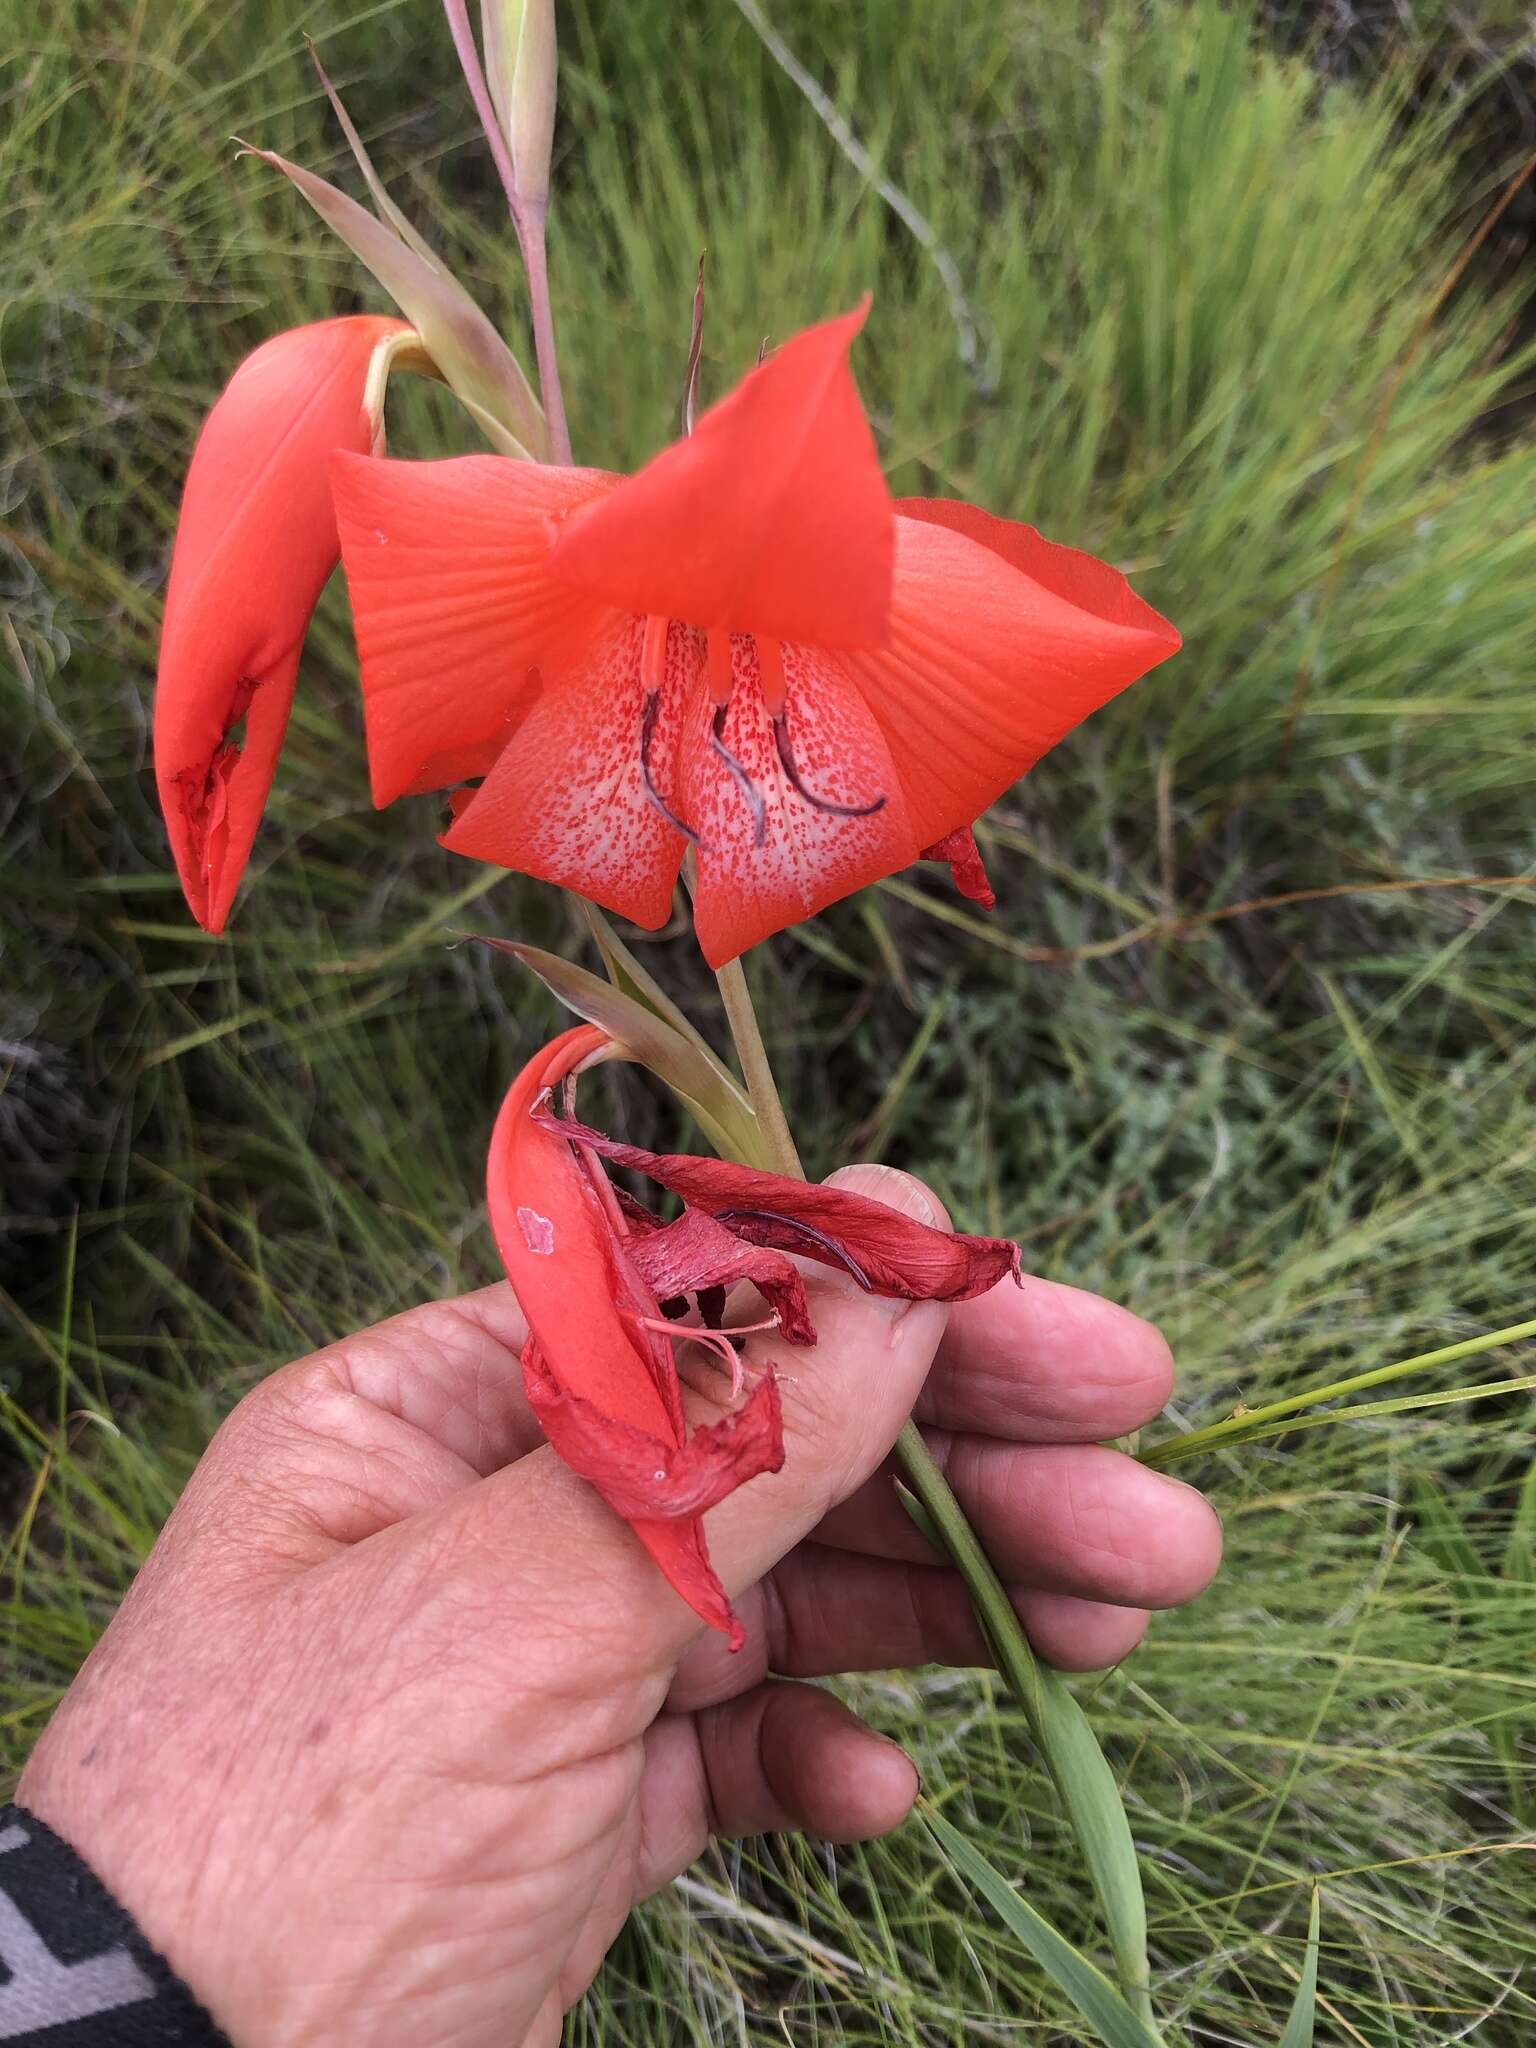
(593, 1270)
(255, 542)
(747, 646)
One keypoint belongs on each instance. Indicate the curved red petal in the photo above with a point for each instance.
(987, 666)
(772, 517)
(447, 566)
(1070, 573)
(566, 800)
(255, 543)
(559, 1252)
(806, 858)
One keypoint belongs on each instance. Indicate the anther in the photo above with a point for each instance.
(744, 782)
(808, 1231)
(817, 803)
(648, 718)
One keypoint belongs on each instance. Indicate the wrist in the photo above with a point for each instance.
(75, 1957)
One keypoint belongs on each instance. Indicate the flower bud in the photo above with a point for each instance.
(519, 38)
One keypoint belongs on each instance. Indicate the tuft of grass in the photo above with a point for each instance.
(1207, 285)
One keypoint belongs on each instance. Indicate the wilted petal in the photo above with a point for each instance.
(599, 1376)
(696, 1253)
(645, 1480)
(885, 1252)
(966, 868)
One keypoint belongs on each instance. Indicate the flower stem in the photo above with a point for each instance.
(528, 220)
(530, 235)
(756, 1070)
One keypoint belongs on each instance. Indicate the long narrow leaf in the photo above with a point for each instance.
(1091, 1993)
(1301, 2025)
(703, 1086)
(1079, 1771)
(474, 360)
(1181, 1449)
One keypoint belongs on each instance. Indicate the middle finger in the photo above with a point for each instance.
(1069, 1518)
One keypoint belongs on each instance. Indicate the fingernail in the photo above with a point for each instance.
(887, 1184)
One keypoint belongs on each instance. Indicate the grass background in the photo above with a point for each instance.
(1212, 342)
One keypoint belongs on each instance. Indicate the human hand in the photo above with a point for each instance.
(399, 1721)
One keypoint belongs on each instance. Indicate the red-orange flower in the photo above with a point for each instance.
(593, 1270)
(255, 543)
(747, 646)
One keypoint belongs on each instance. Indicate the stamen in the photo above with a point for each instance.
(719, 665)
(817, 803)
(770, 669)
(744, 782)
(806, 1230)
(654, 796)
(653, 655)
(717, 1342)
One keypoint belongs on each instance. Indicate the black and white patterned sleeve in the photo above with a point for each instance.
(74, 1970)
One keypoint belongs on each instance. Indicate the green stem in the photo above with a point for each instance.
(1176, 1449)
(756, 1071)
(1056, 1722)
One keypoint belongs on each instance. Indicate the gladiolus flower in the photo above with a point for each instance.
(596, 1275)
(747, 646)
(255, 543)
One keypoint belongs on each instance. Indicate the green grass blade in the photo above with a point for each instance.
(1299, 2028)
(1078, 1769)
(1090, 1991)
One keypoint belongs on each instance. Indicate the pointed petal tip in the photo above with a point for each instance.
(772, 517)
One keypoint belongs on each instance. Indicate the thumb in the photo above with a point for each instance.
(534, 1544)
(845, 1399)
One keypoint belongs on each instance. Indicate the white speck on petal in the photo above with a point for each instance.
(538, 1231)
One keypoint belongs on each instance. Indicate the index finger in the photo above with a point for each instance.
(1047, 1363)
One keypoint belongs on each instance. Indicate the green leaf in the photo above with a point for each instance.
(385, 207)
(1303, 2020)
(1068, 1747)
(695, 1077)
(1093, 1997)
(476, 363)
(1180, 1449)
(626, 972)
